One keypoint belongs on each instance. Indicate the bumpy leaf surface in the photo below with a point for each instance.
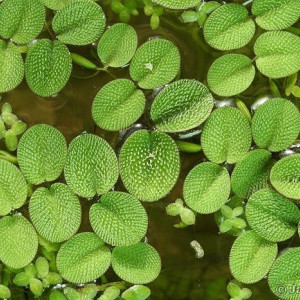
(177, 4)
(55, 4)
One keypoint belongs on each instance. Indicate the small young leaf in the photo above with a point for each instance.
(21, 20)
(117, 45)
(36, 287)
(83, 258)
(55, 4)
(119, 219)
(226, 136)
(31, 270)
(173, 209)
(187, 216)
(155, 63)
(91, 167)
(118, 105)
(18, 243)
(231, 74)
(233, 290)
(206, 188)
(251, 257)
(181, 106)
(21, 279)
(11, 140)
(57, 295)
(229, 27)
(42, 267)
(136, 292)
(149, 165)
(48, 67)
(178, 4)
(4, 292)
(81, 22)
(42, 153)
(278, 54)
(55, 212)
(136, 264)
(276, 14)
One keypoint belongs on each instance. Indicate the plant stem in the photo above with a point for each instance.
(9, 157)
(294, 30)
(188, 147)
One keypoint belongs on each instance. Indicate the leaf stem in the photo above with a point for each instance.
(9, 157)
(188, 147)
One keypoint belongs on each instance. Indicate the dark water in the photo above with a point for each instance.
(183, 276)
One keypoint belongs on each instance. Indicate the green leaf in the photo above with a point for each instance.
(149, 165)
(231, 74)
(57, 295)
(11, 67)
(18, 243)
(178, 4)
(110, 293)
(42, 153)
(36, 287)
(226, 136)
(119, 219)
(117, 45)
(81, 22)
(55, 212)
(276, 14)
(181, 106)
(155, 63)
(136, 292)
(83, 258)
(42, 267)
(118, 105)
(21, 20)
(136, 264)
(229, 27)
(91, 167)
(251, 257)
(284, 275)
(276, 124)
(252, 173)
(206, 188)
(4, 292)
(55, 4)
(285, 176)
(272, 216)
(21, 279)
(13, 188)
(278, 54)
(48, 67)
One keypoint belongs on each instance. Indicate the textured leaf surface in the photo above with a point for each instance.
(276, 14)
(252, 173)
(48, 67)
(13, 188)
(11, 67)
(119, 219)
(251, 257)
(276, 124)
(81, 22)
(118, 105)
(83, 258)
(230, 74)
(18, 243)
(56, 4)
(278, 54)
(178, 4)
(181, 106)
(21, 20)
(149, 165)
(226, 136)
(136, 264)
(206, 188)
(284, 276)
(272, 216)
(117, 45)
(229, 27)
(285, 176)
(42, 153)
(91, 166)
(155, 63)
(55, 212)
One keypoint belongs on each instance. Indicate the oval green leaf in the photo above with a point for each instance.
(206, 188)
(83, 258)
(178, 4)
(91, 166)
(226, 136)
(119, 219)
(149, 165)
(276, 124)
(230, 74)
(138, 264)
(118, 105)
(155, 63)
(55, 212)
(18, 243)
(81, 22)
(251, 257)
(42, 153)
(117, 45)
(181, 106)
(55, 4)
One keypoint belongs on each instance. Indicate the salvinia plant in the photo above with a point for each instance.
(248, 176)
